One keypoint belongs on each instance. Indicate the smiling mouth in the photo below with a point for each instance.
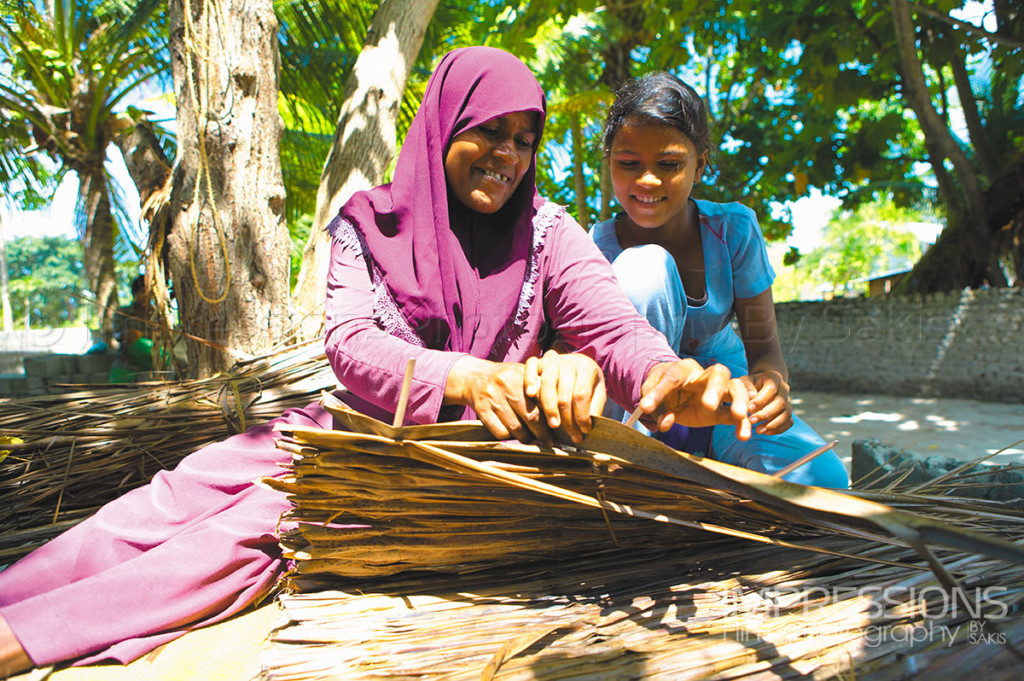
(497, 176)
(648, 199)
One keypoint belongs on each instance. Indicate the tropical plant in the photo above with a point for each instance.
(24, 184)
(319, 41)
(72, 64)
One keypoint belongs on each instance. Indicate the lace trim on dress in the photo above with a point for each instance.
(546, 217)
(391, 319)
(385, 310)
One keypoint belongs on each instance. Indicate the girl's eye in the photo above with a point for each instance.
(628, 165)
(670, 165)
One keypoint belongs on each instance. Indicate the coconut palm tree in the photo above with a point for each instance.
(72, 64)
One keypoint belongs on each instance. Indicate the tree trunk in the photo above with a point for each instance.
(626, 18)
(364, 139)
(150, 170)
(228, 248)
(98, 246)
(957, 259)
(145, 160)
(969, 106)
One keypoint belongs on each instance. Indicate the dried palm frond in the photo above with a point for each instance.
(378, 500)
(620, 558)
(82, 449)
(727, 610)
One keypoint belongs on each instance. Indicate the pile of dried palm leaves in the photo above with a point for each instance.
(459, 557)
(82, 449)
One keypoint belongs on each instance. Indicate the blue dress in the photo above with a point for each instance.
(736, 266)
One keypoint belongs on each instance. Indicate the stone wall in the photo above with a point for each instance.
(56, 373)
(15, 346)
(965, 344)
(41, 361)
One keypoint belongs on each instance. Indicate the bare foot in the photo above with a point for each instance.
(13, 658)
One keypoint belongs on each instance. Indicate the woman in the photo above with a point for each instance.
(691, 267)
(457, 263)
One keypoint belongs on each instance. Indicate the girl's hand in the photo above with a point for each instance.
(569, 388)
(496, 392)
(770, 408)
(684, 392)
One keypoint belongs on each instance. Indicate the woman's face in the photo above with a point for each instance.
(484, 165)
(653, 169)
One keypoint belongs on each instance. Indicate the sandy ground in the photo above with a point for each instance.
(228, 651)
(963, 429)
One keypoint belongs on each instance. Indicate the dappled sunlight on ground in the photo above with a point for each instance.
(946, 424)
(868, 416)
(964, 429)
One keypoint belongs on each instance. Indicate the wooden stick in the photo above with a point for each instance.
(633, 418)
(805, 458)
(403, 399)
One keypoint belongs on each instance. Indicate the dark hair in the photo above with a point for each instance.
(662, 98)
(138, 285)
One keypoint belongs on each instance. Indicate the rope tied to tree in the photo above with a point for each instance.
(199, 50)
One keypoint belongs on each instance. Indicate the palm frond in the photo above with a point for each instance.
(713, 610)
(614, 472)
(82, 449)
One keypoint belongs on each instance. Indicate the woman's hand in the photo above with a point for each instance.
(496, 392)
(569, 388)
(685, 392)
(770, 409)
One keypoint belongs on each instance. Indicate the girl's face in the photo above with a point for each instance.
(653, 169)
(484, 165)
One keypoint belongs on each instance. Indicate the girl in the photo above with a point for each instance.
(691, 266)
(459, 264)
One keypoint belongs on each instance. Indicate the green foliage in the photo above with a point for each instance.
(45, 279)
(26, 181)
(298, 232)
(802, 94)
(856, 244)
(319, 41)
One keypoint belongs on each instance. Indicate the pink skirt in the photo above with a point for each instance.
(193, 547)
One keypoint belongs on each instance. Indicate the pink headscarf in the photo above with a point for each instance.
(455, 275)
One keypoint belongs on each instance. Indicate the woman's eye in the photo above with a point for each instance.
(524, 143)
(489, 131)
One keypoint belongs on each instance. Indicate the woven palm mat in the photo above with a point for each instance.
(431, 552)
